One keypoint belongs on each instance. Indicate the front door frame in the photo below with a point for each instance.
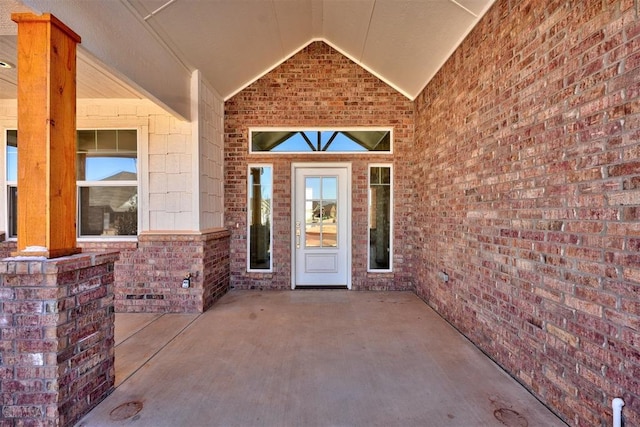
(349, 216)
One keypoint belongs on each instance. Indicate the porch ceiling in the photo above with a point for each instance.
(152, 46)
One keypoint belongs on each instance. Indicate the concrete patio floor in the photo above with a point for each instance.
(308, 358)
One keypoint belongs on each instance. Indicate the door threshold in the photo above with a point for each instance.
(320, 287)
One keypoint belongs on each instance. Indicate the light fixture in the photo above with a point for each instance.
(6, 64)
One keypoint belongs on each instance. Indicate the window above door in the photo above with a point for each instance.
(325, 140)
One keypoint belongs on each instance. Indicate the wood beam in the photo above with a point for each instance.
(46, 136)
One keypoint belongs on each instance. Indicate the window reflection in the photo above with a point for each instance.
(12, 210)
(108, 210)
(12, 155)
(379, 218)
(321, 212)
(102, 157)
(105, 207)
(260, 193)
(11, 160)
(304, 141)
(106, 155)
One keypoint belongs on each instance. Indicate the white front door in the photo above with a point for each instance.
(321, 225)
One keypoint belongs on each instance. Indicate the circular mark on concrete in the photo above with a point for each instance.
(125, 411)
(510, 418)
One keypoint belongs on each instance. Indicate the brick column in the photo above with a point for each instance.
(57, 338)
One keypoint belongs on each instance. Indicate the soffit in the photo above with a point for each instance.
(94, 80)
(234, 42)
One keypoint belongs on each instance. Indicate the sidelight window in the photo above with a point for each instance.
(380, 218)
(260, 195)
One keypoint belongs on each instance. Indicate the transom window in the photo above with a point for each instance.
(320, 140)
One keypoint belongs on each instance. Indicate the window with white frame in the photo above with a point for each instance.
(107, 182)
(260, 196)
(303, 140)
(11, 159)
(380, 217)
(107, 174)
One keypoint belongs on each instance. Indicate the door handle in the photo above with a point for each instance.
(297, 234)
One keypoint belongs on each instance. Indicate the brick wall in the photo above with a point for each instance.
(215, 269)
(57, 338)
(149, 279)
(6, 248)
(148, 275)
(528, 184)
(317, 87)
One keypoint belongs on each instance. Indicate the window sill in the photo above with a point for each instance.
(100, 239)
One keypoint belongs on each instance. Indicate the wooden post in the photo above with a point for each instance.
(46, 136)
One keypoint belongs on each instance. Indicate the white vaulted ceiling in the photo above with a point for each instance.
(151, 47)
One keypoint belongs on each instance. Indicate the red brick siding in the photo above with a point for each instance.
(57, 338)
(317, 87)
(6, 248)
(216, 269)
(149, 273)
(149, 279)
(527, 175)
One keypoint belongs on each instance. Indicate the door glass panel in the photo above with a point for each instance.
(329, 212)
(329, 187)
(329, 224)
(312, 234)
(321, 207)
(312, 188)
(309, 212)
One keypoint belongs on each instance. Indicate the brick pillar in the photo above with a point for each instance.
(57, 337)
